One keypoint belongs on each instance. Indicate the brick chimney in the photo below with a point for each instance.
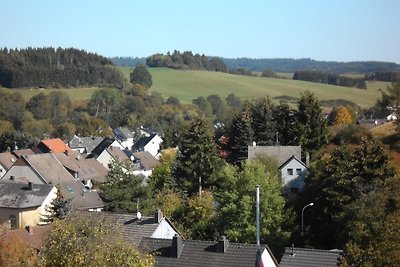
(177, 246)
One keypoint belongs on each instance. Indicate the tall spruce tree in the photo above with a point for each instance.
(197, 159)
(263, 124)
(284, 122)
(241, 135)
(311, 131)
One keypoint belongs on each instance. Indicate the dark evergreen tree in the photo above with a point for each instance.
(284, 118)
(218, 107)
(241, 136)
(263, 123)
(122, 188)
(58, 210)
(197, 159)
(311, 126)
(141, 76)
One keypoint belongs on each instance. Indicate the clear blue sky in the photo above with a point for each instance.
(340, 30)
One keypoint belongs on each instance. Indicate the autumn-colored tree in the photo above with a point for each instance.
(6, 126)
(15, 253)
(340, 115)
(90, 242)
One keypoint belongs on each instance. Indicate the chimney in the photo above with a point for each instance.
(158, 216)
(29, 229)
(30, 186)
(222, 245)
(177, 246)
(307, 159)
(12, 178)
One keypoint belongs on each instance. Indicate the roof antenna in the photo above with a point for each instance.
(293, 253)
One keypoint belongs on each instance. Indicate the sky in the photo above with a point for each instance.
(332, 30)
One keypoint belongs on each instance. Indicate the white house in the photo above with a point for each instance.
(293, 172)
(125, 137)
(151, 144)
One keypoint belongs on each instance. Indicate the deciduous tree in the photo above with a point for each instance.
(141, 76)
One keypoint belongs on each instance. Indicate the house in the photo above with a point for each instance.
(51, 145)
(110, 155)
(180, 252)
(103, 145)
(82, 168)
(292, 169)
(33, 236)
(124, 136)
(7, 159)
(151, 144)
(23, 204)
(85, 145)
(293, 173)
(136, 227)
(144, 163)
(46, 169)
(305, 257)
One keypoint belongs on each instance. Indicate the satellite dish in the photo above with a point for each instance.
(254, 143)
(139, 215)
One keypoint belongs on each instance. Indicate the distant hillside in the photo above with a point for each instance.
(288, 65)
(49, 67)
(292, 65)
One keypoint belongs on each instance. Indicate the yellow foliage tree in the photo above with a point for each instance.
(342, 116)
(89, 242)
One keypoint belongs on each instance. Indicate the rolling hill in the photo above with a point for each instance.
(187, 85)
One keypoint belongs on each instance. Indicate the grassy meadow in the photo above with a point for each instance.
(188, 85)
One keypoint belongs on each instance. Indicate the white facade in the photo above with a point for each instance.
(153, 146)
(164, 230)
(293, 172)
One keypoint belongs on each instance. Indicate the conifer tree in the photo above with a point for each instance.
(58, 210)
(311, 131)
(284, 123)
(197, 159)
(263, 124)
(241, 136)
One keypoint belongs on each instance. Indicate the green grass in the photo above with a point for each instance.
(188, 85)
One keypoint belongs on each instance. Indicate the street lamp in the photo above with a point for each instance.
(302, 219)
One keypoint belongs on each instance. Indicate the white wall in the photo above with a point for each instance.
(294, 165)
(164, 230)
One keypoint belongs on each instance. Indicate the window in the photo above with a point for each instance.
(13, 221)
(290, 171)
(298, 171)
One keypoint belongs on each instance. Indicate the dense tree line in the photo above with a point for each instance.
(186, 61)
(329, 78)
(50, 67)
(292, 65)
(384, 76)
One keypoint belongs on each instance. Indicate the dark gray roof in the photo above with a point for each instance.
(139, 145)
(123, 133)
(18, 195)
(304, 257)
(197, 253)
(89, 143)
(133, 230)
(281, 153)
(103, 145)
(81, 197)
(145, 159)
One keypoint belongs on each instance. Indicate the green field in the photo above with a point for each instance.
(188, 85)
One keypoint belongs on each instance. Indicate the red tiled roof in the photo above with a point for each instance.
(56, 145)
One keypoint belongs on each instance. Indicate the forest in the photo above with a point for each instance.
(329, 78)
(54, 68)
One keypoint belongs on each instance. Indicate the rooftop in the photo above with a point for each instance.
(53, 145)
(305, 257)
(18, 195)
(7, 159)
(33, 235)
(281, 153)
(89, 143)
(145, 159)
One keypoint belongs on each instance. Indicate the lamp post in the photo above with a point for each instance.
(302, 219)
